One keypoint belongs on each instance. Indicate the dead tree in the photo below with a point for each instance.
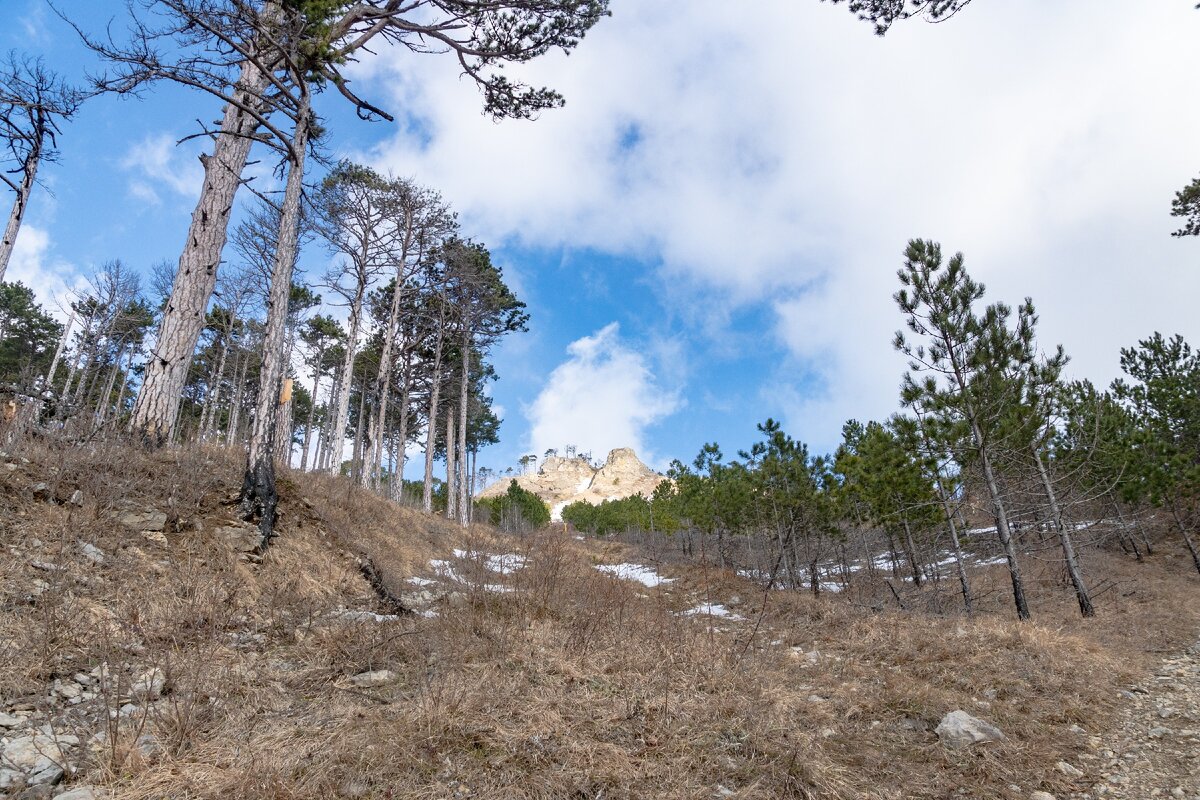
(34, 102)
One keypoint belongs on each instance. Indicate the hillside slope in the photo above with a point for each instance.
(373, 652)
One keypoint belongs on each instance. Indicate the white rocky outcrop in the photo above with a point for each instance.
(562, 481)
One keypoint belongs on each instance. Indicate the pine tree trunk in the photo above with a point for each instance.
(20, 202)
(402, 434)
(911, 553)
(157, 405)
(464, 391)
(259, 497)
(384, 379)
(431, 429)
(235, 402)
(356, 450)
(312, 410)
(1064, 539)
(58, 351)
(1187, 537)
(1002, 529)
(451, 463)
(213, 399)
(341, 415)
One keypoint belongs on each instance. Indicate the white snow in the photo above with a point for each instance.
(350, 615)
(634, 572)
(712, 610)
(556, 512)
(418, 581)
(505, 563)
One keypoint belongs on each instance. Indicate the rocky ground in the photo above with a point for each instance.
(1155, 750)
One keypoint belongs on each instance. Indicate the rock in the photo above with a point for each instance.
(350, 615)
(35, 753)
(149, 685)
(49, 776)
(91, 553)
(1069, 770)
(242, 538)
(150, 520)
(561, 481)
(1158, 732)
(76, 498)
(1076, 729)
(375, 679)
(1041, 796)
(80, 793)
(68, 689)
(10, 720)
(8, 777)
(960, 729)
(41, 491)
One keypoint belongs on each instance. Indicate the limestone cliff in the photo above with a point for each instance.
(562, 481)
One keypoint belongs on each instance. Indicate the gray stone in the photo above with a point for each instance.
(1041, 796)
(8, 777)
(149, 520)
(960, 729)
(41, 491)
(49, 776)
(10, 720)
(76, 498)
(244, 539)
(350, 615)
(80, 793)
(1069, 770)
(91, 553)
(34, 753)
(148, 685)
(374, 679)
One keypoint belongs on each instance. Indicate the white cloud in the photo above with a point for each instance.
(158, 164)
(53, 280)
(783, 157)
(604, 396)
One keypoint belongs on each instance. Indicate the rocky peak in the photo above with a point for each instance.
(561, 481)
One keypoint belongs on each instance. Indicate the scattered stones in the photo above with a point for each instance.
(350, 615)
(1069, 770)
(242, 538)
(374, 679)
(34, 754)
(92, 553)
(145, 521)
(80, 793)
(960, 729)
(149, 685)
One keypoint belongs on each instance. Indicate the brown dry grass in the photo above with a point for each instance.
(573, 685)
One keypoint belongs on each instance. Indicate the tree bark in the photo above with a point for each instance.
(1002, 528)
(157, 405)
(312, 409)
(911, 553)
(338, 440)
(20, 202)
(464, 391)
(1187, 537)
(451, 464)
(1064, 539)
(259, 497)
(58, 351)
(431, 428)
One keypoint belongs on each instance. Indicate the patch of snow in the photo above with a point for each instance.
(830, 586)
(976, 531)
(634, 572)
(419, 581)
(991, 562)
(443, 569)
(505, 563)
(556, 512)
(350, 615)
(712, 610)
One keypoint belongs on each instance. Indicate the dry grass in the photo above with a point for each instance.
(575, 684)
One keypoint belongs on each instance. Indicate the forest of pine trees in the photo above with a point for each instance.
(993, 455)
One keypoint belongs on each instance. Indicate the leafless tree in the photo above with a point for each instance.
(34, 102)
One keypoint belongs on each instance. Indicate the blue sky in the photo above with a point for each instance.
(708, 233)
